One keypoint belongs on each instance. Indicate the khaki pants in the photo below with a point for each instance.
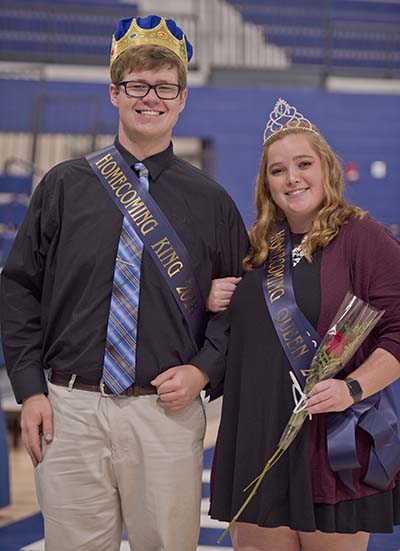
(121, 460)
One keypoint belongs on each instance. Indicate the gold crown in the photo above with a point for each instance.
(284, 117)
(159, 35)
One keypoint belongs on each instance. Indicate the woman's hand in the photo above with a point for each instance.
(221, 293)
(378, 371)
(328, 396)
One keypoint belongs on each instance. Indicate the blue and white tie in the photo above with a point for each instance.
(120, 353)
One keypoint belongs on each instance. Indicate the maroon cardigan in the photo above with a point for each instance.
(363, 258)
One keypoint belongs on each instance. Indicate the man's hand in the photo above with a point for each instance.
(36, 419)
(179, 386)
(221, 293)
(328, 396)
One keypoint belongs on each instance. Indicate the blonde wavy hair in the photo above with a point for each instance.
(333, 213)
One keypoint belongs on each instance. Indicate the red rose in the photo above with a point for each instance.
(336, 345)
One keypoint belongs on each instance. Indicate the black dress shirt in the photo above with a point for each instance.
(57, 282)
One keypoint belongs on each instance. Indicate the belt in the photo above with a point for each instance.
(66, 379)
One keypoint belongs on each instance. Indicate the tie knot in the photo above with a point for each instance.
(141, 169)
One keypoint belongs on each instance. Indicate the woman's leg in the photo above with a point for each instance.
(315, 541)
(250, 537)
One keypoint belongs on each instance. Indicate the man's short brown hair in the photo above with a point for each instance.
(144, 58)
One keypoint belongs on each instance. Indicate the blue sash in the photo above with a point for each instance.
(298, 337)
(377, 415)
(299, 341)
(154, 230)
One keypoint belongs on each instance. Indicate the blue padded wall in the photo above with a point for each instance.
(362, 128)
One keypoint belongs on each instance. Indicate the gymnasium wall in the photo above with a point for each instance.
(363, 129)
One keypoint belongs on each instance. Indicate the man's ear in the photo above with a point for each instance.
(114, 95)
(182, 100)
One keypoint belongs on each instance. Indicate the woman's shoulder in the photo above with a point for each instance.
(365, 226)
(368, 236)
(366, 229)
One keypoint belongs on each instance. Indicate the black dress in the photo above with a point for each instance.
(257, 405)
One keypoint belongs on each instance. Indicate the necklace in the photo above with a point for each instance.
(298, 252)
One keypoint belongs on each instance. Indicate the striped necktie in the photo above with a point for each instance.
(120, 353)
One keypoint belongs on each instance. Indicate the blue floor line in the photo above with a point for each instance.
(21, 533)
(209, 536)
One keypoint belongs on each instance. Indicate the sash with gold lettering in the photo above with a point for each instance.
(156, 233)
(298, 337)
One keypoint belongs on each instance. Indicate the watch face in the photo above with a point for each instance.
(355, 389)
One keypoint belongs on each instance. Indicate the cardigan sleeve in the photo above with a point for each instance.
(380, 269)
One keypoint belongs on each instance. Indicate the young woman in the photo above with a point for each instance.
(335, 248)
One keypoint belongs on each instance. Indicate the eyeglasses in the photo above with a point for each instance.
(137, 89)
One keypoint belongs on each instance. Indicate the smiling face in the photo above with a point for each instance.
(145, 124)
(295, 178)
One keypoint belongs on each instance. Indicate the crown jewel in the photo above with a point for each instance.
(285, 117)
(148, 31)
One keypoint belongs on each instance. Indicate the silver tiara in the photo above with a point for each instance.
(285, 117)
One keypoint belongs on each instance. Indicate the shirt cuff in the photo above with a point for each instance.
(212, 362)
(28, 382)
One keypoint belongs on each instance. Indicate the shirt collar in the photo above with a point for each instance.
(156, 164)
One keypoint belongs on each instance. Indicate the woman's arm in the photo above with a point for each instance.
(375, 261)
(378, 371)
(220, 294)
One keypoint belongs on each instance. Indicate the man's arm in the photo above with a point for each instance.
(180, 385)
(233, 246)
(21, 291)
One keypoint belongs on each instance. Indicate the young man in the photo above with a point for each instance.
(99, 265)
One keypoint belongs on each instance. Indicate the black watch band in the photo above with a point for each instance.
(354, 389)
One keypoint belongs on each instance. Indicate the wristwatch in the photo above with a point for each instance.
(354, 389)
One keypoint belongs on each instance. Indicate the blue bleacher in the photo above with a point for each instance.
(10, 183)
(338, 33)
(366, 11)
(60, 32)
(357, 33)
(6, 240)
(14, 198)
(12, 214)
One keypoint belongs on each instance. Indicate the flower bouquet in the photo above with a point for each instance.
(353, 322)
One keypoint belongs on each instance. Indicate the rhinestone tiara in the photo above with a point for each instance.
(284, 117)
